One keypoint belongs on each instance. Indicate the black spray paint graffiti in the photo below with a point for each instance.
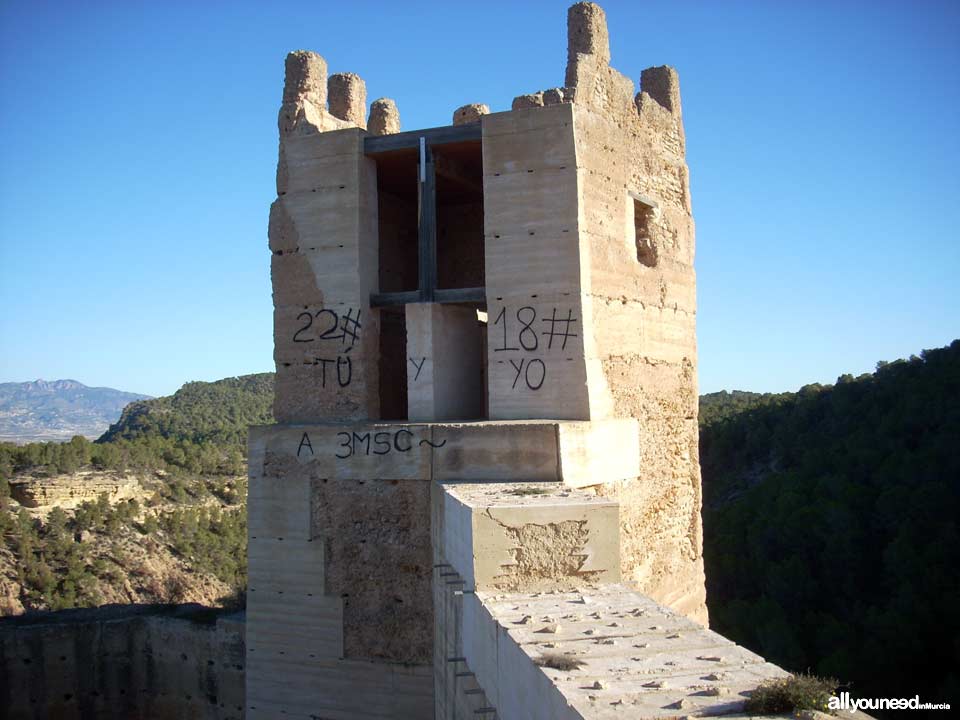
(380, 443)
(330, 326)
(532, 370)
(419, 367)
(372, 443)
(344, 367)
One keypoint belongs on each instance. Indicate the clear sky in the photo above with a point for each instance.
(138, 147)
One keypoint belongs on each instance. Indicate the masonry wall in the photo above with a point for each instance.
(587, 247)
(534, 267)
(622, 267)
(640, 291)
(137, 662)
(643, 304)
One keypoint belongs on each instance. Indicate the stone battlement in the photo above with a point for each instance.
(486, 362)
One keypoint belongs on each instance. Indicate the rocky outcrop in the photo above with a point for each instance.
(68, 491)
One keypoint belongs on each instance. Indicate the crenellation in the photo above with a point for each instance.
(384, 117)
(586, 34)
(522, 102)
(554, 96)
(662, 84)
(305, 78)
(348, 98)
(469, 113)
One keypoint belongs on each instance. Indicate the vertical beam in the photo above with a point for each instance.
(427, 247)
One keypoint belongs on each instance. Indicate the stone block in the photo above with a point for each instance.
(536, 356)
(351, 451)
(445, 347)
(539, 537)
(308, 220)
(598, 452)
(340, 387)
(529, 139)
(322, 160)
(495, 451)
(529, 200)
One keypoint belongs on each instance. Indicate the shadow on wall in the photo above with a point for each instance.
(130, 661)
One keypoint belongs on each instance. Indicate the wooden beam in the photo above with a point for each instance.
(374, 144)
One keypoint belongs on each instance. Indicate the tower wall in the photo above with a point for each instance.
(638, 229)
(579, 348)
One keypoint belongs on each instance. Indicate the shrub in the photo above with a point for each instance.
(559, 661)
(797, 692)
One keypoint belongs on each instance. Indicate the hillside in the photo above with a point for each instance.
(831, 534)
(173, 531)
(830, 517)
(180, 539)
(218, 412)
(58, 410)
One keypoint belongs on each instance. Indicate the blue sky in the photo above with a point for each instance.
(138, 146)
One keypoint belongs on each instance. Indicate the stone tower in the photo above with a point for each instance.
(507, 299)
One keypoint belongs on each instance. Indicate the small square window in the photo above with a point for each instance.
(643, 221)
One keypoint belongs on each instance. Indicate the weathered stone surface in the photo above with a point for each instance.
(663, 85)
(637, 658)
(306, 76)
(384, 117)
(587, 34)
(171, 661)
(469, 113)
(553, 96)
(522, 102)
(348, 98)
(535, 536)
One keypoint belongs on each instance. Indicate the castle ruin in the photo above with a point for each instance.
(486, 449)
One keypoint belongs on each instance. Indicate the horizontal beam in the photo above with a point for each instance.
(460, 295)
(395, 298)
(440, 295)
(373, 144)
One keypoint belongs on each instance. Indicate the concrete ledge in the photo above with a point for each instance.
(639, 659)
(531, 535)
(577, 453)
(592, 453)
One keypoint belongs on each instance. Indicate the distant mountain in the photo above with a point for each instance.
(200, 412)
(58, 410)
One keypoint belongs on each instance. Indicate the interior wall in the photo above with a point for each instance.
(460, 244)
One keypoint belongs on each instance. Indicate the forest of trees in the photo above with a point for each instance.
(194, 441)
(831, 525)
(200, 429)
(830, 515)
